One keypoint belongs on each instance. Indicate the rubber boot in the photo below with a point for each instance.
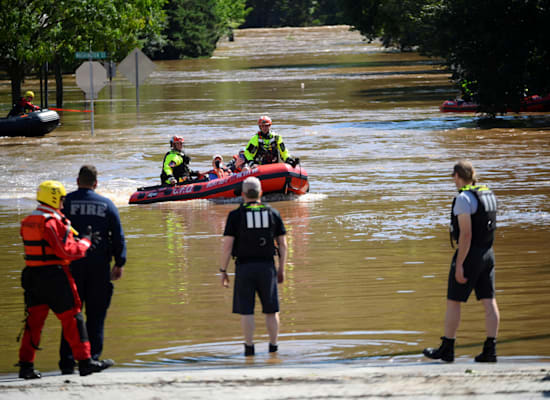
(445, 352)
(489, 353)
(248, 350)
(89, 366)
(273, 348)
(27, 371)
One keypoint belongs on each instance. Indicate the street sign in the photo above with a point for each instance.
(90, 54)
(136, 67)
(94, 79)
(91, 77)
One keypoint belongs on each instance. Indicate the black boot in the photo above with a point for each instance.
(89, 366)
(248, 350)
(446, 351)
(489, 353)
(27, 371)
(66, 367)
(273, 348)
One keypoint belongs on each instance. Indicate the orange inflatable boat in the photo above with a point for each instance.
(275, 178)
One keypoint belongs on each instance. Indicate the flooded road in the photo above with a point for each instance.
(369, 246)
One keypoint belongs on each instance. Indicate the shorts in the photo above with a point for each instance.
(255, 277)
(479, 268)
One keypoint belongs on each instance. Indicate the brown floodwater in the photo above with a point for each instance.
(369, 247)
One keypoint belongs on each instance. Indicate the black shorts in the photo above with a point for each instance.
(479, 268)
(255, 277)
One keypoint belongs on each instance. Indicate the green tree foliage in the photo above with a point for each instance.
(232, 14)
(395, 22)
(195, 26)
(497, 50)
(33, 32)
(277, 13)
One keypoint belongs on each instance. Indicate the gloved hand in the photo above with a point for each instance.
(93, 237)
(172, 180)
(293, 161)
(186, 159)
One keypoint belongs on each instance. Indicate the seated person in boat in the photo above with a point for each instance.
(175, 166)
(266, 147)
(238, 163)
(24, 104)
(219, 170)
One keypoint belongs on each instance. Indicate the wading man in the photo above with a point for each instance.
(473, 224)
(250, 235)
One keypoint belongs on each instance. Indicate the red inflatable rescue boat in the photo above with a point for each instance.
(529, 104)
(275, 178)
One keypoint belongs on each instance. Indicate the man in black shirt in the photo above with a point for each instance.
(250, 235)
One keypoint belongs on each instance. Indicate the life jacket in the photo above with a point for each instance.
(218, 173)
(267, 153)
(180, 171)
(256, 236)
(38, 251)
(484, 220)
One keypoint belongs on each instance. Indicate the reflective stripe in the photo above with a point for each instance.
(257, 219)
(265, 219)
(249, 220)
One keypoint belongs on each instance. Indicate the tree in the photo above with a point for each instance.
(194, 27)
(232, 14)
(32, 33)
(497, 50)
(395, 22)
(277, 13)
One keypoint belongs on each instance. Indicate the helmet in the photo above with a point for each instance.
(217, 156)
(264, 120)
(176, 139)
(50, 193)
(29, 93)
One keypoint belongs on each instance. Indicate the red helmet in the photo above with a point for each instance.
(264, 120)
(176, 139)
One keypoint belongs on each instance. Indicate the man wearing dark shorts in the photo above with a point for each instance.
(473, 222)
(250, 235)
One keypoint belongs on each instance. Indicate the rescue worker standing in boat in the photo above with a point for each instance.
(266, 147)
(49, 247)
(175, 166)
(473, 224)
(249, 236)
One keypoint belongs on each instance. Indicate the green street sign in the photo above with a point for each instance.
(91, 54)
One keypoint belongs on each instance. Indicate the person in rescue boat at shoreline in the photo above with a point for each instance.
(267, 147)
(238, 163)
(175, 166)
(219, 170)
(50, 246)
(24, 104)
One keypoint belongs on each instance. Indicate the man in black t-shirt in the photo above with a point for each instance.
(250, 235)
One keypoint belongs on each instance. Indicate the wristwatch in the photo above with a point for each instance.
(223, 270)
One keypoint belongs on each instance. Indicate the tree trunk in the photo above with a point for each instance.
(58, 85)
(16, 77)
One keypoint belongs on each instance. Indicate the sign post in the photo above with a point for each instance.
(91, 76)
(88, 70)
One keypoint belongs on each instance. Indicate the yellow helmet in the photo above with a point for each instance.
(50, 193)
(29, 93)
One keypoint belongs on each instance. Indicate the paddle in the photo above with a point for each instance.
(66, 109)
